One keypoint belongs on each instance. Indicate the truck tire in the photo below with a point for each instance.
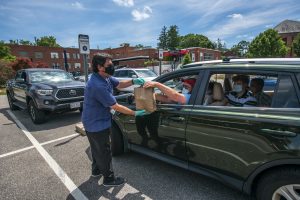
(36, 115)
(117, 145)
(12, 106)
(279, 184)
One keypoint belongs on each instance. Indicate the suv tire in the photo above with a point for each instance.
(12, 106)
(117, 145)
(37, 116)
(277, 182)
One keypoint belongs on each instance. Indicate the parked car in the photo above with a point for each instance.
(130, 73)
(43, 91)
(253, 149)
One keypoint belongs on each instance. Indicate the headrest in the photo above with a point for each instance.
(218, 93)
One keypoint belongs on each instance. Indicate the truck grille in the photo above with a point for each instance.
(69, 93)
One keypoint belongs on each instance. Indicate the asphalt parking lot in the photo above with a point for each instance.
(51, 161)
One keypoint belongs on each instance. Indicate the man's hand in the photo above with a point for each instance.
(150, 84)
(138, 81)
(140, 113)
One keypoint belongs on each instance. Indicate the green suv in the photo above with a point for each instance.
(255, 149)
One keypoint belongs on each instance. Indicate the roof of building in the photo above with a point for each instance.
(288, 26)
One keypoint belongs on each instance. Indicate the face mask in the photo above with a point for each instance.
(110, 69)
(185, 91)
(237, 88)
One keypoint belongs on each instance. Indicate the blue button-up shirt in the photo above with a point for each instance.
(98, 97)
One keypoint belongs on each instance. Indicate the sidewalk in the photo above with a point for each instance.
(3, 102)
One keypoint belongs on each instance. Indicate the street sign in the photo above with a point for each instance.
(160, 54)
(84, 45)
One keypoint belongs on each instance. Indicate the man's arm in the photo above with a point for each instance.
(169, 92)
(122, 109)
(124, 84)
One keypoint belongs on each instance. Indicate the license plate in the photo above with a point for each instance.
(75, 105)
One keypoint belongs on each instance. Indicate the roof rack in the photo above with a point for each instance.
(276, 61)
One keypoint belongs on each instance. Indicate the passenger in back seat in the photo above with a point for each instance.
(256, 87)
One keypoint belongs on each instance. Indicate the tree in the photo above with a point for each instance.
(173, 38)
(5, 52)
(163, 39)
(25, 42)
(139, 46)
(241, 49)
(21, 63)
(186, 59)
(296, 45)
(47, 41)
(267, 44)
(195, 40)
(6, 71)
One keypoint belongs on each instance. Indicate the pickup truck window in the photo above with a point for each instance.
(49, 76)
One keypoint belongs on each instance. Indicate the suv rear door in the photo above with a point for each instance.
(236, 140)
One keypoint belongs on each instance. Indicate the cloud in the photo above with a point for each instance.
(77, 5)
(235, 16)
(141, 15)
(125, 3)
(269, 26)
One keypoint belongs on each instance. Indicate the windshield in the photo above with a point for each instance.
(145, 73)
(49, 76)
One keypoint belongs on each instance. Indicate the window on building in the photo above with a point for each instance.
(208, 56)
(201, 56)
(78, 56)
(23, 54)
(54, 55)
(74, 56)
(38, 55)
(77, 65)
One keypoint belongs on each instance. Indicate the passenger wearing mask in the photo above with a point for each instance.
(256, 87)
(240, 96)
(170, 95)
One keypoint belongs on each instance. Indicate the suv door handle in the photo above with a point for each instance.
(177, 119)
(279, 133)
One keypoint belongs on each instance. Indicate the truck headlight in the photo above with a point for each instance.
(44, 92)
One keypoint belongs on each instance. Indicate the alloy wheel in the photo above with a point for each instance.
(32, 112)
(287, 192)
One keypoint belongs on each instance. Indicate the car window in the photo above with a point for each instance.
(18, 75)
(145, 73)
(240, 90)
(117, 73)
(131, 74)
(123, 74)
(286, 94)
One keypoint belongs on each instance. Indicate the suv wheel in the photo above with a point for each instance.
(37, 116)
(117, 145)
(11, 102)
(282, 184)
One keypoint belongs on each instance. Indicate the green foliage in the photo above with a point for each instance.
(296, 45)
(267, 44)
(25, 42)
(186, 59)
(139, 46)
(196, 40)
(5, 52)
(163, 39)
(6, 71)
(241, 49)
(47, 41)
(173, 38)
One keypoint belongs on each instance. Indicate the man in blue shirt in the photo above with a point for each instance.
(96, 115)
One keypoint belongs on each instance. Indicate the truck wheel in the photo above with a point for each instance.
(12, 106)
(117, 145)
(37, 116)
(281, 184)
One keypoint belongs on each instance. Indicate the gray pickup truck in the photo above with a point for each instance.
(43, 91)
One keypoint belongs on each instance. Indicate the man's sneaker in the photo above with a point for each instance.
(96, 173)
(113, 181)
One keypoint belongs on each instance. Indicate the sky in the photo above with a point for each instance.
(110, 23)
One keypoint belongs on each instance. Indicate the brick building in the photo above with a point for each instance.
(54, 56)
(288, 30)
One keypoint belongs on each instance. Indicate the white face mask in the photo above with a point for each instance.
(237, 88)
(185, 91)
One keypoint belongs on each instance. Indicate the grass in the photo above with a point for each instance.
(2, 91)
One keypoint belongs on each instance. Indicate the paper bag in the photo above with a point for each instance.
(145, 99)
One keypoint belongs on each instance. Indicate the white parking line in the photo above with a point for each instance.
(74, 190)
(17, 151)
(31, 147)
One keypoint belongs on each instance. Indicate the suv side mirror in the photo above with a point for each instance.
(20, 80)
(133, 76)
